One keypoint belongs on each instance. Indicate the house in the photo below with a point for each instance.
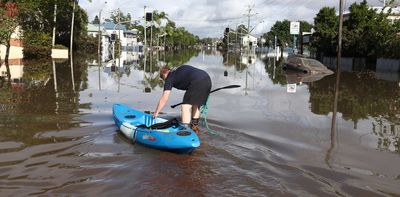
(93, 29)
(249, 41)
(393, 16)
(16, 45)
(16, 71)
(129, 38)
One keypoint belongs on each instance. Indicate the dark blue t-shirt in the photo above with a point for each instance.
(183, 76)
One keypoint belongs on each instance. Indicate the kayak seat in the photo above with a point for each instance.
(163, 125)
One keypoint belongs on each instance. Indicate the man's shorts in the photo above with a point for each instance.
(198, 92)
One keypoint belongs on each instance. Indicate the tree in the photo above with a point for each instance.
(281, 29)
(326, 26)
(9, 13)
(39, 15)
(368, 33)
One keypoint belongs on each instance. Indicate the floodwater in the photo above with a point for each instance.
(276, 135)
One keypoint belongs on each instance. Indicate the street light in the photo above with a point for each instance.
(99, 42)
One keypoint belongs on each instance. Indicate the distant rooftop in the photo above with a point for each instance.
(112, 26)
(92, 27)
(394, 11)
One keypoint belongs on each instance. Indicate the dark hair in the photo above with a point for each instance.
(163, 70)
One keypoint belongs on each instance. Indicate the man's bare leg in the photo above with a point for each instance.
(186, 113)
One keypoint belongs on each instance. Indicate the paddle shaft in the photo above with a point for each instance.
(226, 87)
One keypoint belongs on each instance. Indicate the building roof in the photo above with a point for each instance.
(113, 26)
(92, 27)
(394, 10)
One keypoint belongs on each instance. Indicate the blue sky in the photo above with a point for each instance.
(208, 18)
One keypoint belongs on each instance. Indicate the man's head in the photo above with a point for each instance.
(164, 72)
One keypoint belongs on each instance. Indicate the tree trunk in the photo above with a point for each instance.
(8, 46)
(7, 64)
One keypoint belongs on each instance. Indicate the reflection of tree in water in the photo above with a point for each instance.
(362, 96)
(174, 58)
(36, 108)
(277, 74)
(152, 80)
(177, 58)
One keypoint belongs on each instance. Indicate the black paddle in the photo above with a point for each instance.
(226, 87)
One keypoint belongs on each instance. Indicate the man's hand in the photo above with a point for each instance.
(155, 114)
(161, 102)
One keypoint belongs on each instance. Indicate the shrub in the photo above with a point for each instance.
(33, 52)
(59, 46)
(36, 45)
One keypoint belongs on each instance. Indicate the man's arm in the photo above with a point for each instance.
(162, 102)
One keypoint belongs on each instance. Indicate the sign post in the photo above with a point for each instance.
(294, 30)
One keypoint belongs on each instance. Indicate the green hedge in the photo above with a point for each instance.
(33, 52)
(37, 45)
(59, 46)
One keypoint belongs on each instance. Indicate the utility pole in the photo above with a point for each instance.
(333, 123)
(236, 36)
(72, 28)
(340, 37)
(54, 26)
(119, 45)
(249, 14)
(145, 23)
(119, 32)
(248, 20)
(99, 33)
(151, 32)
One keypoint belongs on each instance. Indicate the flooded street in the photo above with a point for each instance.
(58, 137)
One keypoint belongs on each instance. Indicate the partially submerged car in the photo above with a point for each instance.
(300, 69)
(305, 65)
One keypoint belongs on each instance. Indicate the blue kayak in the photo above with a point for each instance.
(159, 133)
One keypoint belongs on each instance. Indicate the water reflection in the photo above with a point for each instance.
(279, 135)
(359, 100)
(31, 102)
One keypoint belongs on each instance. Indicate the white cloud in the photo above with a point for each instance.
(208, 18)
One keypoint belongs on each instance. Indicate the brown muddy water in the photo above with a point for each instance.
(58, 138)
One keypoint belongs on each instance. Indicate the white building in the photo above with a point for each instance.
(249, 41)
(129, 38)
(392, 16)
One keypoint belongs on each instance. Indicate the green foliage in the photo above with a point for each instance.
(59, 46)
(37, 39)
(281, 29)
(366, 33)
(176, 38)
(39, 16)
(326, 26)
(32, 52)
(36, 45)
(38, 69)
(207, 41)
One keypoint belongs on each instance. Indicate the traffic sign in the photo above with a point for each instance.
(294, 28)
